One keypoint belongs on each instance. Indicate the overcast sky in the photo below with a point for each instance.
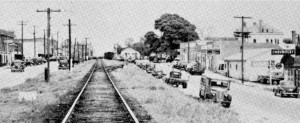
(107, 22)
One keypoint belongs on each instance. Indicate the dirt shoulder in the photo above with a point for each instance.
(15, 104)
(167, 104)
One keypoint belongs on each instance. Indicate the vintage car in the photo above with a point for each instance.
(17, 65)
(28, 62)
(180, 65)
(176, 80)
(158, 74)
(63, 64)
(195, 68)
(215, 89)
(44, 60)
(41, 60)
(150, 68)
(286, 88)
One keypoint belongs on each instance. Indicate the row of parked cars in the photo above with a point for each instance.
(20, 65)
(194, 68)
(215, 89)
(174, 79)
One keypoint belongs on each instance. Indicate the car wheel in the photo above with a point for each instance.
(184, 85)
(275, 92)
(176, 85)
(200, 95)
(227, 105)
(280, 94)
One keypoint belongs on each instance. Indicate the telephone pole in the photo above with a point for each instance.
(44, 44)
(188, 60)
(242, 34)
(74, 51)
(85, 54)
(82, 47)
(22, 50)
(70, 44)
(47, 70)
(34, 41)
(52, 45)
(57, 45)
(78, 47)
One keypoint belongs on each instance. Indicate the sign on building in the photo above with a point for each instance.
(282, 51)
(213, 51)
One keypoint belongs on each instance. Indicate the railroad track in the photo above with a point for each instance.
(99, 101)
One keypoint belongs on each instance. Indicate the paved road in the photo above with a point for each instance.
(252, 103)
(9, 79)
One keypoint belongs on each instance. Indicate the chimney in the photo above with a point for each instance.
(294, 37)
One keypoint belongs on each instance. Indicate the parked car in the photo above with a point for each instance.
(150, 68)
(215, 89)
(286, 88)
(17, 65)
(53, 58)
(35, 61)
(158, 74)
(28, 62)
(175, 79)
(40, 60)
(63, 64)
(44, 60)
(195, 68)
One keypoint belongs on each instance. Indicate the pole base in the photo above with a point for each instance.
(47, 76)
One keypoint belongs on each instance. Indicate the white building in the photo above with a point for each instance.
(263, 33)
(255, 63)
(130, 53)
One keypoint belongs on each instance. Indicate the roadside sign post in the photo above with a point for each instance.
(272, 65)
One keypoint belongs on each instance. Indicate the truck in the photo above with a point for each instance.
(215, 89)
(175, 79)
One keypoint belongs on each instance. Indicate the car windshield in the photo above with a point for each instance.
(219, 83)
(17, 63)
(63, 61)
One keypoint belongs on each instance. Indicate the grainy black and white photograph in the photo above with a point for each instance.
(149, 61)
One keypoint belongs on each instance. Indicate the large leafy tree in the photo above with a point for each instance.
(175, 29)
(152, 41)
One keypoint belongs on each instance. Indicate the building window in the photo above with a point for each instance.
(267, 41)
(267, 30)
(230, 65)
(262, 30)
(272, 41)
(236, 67)
(254, 40)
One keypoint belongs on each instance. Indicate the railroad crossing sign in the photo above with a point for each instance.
(282, 51)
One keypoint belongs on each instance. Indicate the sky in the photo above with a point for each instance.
(107, 22)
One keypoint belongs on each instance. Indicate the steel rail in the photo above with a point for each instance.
(77, 98)
(120, 95)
